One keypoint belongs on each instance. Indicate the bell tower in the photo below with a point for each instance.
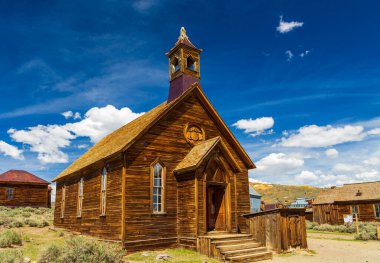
(184, 66)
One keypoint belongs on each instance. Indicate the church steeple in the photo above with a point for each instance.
(184, 65)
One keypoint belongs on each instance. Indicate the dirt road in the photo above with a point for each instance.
(329, 250)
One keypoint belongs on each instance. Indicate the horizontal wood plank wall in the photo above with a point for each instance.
(187, 214)
(333, 213)
(166, 141)
(25, 195)
(91, 223)
(325, 214)
(279, 229)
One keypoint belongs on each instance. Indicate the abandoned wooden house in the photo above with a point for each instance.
(21, 188)
(361, 199)
(167, 178)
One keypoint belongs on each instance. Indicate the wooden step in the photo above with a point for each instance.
(250, 244)
(250, 257)
(246, 251)
(232, 241)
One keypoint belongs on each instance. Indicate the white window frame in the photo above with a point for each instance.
(63, 200)
(80, 197)
(158, 187)
(103, 192)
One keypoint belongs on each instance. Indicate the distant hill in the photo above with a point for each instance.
(272, 192)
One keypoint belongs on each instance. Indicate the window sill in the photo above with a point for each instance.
(159, 213)
(102, 215)
(79, 217)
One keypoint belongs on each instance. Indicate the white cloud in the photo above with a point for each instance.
(346, 167)
(305, 53)
(10, 150)
(374, 131)
(255, 127)
(314, 136)
(289, 54)
(70, 114)
(279, 163)
(82, 146)
(332, 153)
(307, 176)
(285, 27)
(67, 114)
(48, 141)
(373, 161)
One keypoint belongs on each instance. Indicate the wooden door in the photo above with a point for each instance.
(216, 212)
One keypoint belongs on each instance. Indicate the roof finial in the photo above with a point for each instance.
(183, 38)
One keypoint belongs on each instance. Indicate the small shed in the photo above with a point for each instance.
(21, 188)
(255, 199)
(300, 202)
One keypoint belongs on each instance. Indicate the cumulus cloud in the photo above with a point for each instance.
(255, 127)
(49, 140)
(332, 153)
(373, 161)
(307, 176)
(70, 114)
(289, 54)
(285, 27)
(374, 131)
(279, 163)
(10, 150)
(314, 136)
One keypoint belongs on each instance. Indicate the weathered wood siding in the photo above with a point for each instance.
(166, 141)
(25, 195)
(279, 229)
(325, 214)
(333, 214)
(91, 222)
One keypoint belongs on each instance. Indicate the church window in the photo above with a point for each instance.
(158, 187)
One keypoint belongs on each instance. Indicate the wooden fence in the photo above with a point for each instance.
(279, 229)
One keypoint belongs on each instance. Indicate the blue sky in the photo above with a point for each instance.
(298, 82)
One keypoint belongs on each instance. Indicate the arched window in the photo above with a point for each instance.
(103, 192)
(158, 188)
(63, 201)
(80, 197)
(175, 64)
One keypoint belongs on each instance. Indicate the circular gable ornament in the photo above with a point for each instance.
(193, 134)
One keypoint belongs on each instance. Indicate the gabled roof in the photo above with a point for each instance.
(253, 192)
(200, 152)
(194, 158)
(121, 139)
(349, 192)
(20, 176)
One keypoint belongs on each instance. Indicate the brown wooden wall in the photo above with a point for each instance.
(321, 213)
(166, 141)
(279, 229)
(143, 229)
(105, 227)
(325, 214)
(25, 195)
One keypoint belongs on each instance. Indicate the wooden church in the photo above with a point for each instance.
(168, 178)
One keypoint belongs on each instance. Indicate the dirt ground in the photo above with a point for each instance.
(337, 249)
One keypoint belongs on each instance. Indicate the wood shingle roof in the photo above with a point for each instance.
(122, 138)
(349, 192)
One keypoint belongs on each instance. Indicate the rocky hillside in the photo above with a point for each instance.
(285, 193)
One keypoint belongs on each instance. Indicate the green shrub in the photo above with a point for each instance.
(16, 222)
(9, 238)
(80, 249)
(311, 225)
(341, 228)
(325, 227)
(363, 235)
(11, 256)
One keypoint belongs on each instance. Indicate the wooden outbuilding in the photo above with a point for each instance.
(167, 178)
(362, 199)
(21, 188)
